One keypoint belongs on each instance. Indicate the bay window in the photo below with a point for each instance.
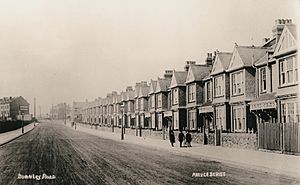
(262, 79)
(219, 86)
(191, 92)
(175, 96)
(237, 80)
(288, 71)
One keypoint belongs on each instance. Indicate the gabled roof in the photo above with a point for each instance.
(245, 56)
(287, 41)
(153, 85)
(163, 84)
(221, 63)
(262, 61)
(144, 91)
(178, 78)
(137, 89)
(130, 95)
(197, 72)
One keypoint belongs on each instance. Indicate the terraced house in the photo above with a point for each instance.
(152, 103)
(221, 92)
(242, 86)
(227, 99)
(161, 97)
(194, 93)
(178, 100)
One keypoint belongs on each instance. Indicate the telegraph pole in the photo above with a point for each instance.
(34, 108)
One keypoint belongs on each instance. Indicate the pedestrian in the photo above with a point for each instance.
(188, 138)
(180, 138)
(172, 138)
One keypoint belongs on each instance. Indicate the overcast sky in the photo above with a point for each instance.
(65, 50)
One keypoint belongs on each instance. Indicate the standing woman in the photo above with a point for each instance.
(172, 138)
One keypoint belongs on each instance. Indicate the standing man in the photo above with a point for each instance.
(180, 138)
(172, 138)
(188, 138)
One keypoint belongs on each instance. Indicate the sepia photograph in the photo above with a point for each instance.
(149, 92)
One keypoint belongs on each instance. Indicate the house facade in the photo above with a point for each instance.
(178, 100)
(221, 92)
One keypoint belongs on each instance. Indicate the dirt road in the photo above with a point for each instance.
(71, 157)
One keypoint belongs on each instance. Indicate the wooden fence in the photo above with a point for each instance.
(277, 136)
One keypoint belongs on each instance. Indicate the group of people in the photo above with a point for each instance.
(183, 139)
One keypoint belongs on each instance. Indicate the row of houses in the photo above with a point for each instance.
(231, 91)
(14, 108)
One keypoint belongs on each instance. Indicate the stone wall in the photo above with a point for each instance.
(232, 140)
(239, 140)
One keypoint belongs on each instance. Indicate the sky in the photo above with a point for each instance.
(73, 50)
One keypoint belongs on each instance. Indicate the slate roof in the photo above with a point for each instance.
(225, 59)
(200, 71)
(263, 60)
(153, 83)
(180, 77)
(264, 97)
(144, 91)
(163, 84)
(250, 53)
(292, 29)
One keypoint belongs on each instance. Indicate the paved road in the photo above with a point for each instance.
(78, 158)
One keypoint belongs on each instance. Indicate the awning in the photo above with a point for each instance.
(260, 105)
(168, 114)
(147, 115)
(205, 109)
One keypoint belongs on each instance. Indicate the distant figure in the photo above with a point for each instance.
(188, 138)
(180, 138)
(172, 138)
(75, 125)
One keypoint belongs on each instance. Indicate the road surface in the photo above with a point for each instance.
(66, 156)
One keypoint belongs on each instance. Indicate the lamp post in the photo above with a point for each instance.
(22, 122)
(122, 127)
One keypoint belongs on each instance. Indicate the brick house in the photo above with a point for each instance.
(152, 103)
(285, 57)
(242, 86)
(143, 105)
(13, 108)
(178, 99)
(161, 96)
(194, 93)
(221, 91)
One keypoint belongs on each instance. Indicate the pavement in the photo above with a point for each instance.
(11, 135)
(257, 160)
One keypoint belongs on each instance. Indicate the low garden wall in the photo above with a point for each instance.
(231, 140)
(6, 126)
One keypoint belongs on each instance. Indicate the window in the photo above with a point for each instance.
(191, 92)
(192, 120)
(288, 70)
(175, 96)
(289, 112)
(237, 83)
(142, 104)
(218, 86)
(220, 118)
(208, 91)
(263, 80)
(176, 123)
(152, 101)
(238, 117)
(159, 117)
(159, 100)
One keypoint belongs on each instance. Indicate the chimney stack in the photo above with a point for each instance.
(209, 59)
(188, 64)
(278, 28)
(129, 88)
(168, 74)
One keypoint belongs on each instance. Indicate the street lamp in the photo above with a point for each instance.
(22, 122)
(122, 127)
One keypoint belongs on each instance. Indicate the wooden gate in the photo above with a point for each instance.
(291, 137)
(269, 136)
